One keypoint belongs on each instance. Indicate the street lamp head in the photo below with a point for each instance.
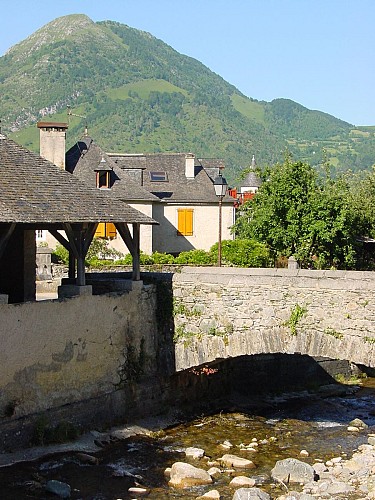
(221, 186)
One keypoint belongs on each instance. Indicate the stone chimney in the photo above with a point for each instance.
(190, 166)
(52, 142)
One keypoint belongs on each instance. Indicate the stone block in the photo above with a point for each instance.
(68, 291)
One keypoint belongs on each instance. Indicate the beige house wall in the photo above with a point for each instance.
(145, 232)
(205, 227)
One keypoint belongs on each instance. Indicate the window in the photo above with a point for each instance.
(106, 230)
(185, 221)
(158, 177)
(102, 179)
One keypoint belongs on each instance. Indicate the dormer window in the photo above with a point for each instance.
(103, 175)
(102, 179)
(158, 177)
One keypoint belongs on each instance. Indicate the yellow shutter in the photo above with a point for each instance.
(100, 231)
(185, 221)
(110, 230)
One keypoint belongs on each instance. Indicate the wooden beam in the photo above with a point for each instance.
(133, 245)
(60, 238)
(136, 257)
(123, 229)
(89, 236)
(72, 239)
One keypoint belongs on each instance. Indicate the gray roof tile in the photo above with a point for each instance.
(178, 189)
(33, 190)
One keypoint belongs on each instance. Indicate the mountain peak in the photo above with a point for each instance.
(58, 29)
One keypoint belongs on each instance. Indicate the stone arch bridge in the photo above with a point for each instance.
(222, 313)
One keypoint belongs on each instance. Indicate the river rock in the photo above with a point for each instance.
(138, 491)
(85, 458)
(295, 495)
(184, 475)
(357, 422)
(194, 452)
(236, 462)
(292, 470)
(242, 481)
(214, 471)
(58, 488)
(213, 495)
(251, 494)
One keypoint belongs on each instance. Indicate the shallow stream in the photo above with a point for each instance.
(283, 428)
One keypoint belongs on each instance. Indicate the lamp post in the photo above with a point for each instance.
(221, 186)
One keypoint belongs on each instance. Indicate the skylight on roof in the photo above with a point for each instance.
(158, 177)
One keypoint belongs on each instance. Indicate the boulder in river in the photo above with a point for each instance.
(242, 481)
(236, 462)
(194, 452)
(210, 495)
(357, 422)
(184, 475)
(251, 494)
(58, 488)
(292, 470)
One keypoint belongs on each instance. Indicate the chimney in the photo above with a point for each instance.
(52, 137)
(190, 166)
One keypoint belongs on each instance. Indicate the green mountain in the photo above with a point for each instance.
(137, 94)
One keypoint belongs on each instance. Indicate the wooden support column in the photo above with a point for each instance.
(137, 253)
(133, 245)
(78, 243)
(6, 236)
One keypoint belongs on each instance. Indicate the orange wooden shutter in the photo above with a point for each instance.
(100, 232)
(185, 221)
(110, 230)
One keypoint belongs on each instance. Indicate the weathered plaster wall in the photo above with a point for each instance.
(227, 312)
(205, 227)
(59, 352)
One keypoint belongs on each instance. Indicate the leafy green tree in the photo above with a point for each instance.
(296, 212)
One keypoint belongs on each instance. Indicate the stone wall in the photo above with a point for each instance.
(55, 353)
(221, 313)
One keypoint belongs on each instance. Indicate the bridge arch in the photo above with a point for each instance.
(229, 312)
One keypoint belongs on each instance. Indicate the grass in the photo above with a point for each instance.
(250, 109)
(295, 317)
(143, 88)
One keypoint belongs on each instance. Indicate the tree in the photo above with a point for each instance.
(296, 212)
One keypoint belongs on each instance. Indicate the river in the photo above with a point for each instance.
(281, 429)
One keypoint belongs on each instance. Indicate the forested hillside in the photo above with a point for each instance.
(137, 94)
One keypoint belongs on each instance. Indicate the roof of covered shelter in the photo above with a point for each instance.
(85, 158)
(174, 186)
(33, 191)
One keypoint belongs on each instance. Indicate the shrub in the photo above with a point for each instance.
(197, 257)
(99, 249)
(243, 253)
(60, 255)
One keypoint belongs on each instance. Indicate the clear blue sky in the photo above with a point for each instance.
(319, 53)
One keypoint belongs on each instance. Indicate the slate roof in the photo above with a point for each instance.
(33, 190)
(85, 158)
(178, 188)
(252, 180)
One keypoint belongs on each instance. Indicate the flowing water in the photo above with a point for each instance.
(281, 430)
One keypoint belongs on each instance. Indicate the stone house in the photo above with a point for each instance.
(188, 210)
